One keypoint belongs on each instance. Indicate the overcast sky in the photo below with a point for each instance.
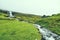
(38, 7)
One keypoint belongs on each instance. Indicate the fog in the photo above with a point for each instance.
(37, 7)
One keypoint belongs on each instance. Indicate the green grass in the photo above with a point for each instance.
(52, 23)
(11, 29)
(27, 17)
(17, 30)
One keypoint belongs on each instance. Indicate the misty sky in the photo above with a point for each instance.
(38, 7)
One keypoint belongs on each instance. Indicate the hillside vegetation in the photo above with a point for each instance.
(52, 23)
(27, 17)
(26, 31)
(12, 29)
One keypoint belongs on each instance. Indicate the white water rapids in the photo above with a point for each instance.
(47, 35)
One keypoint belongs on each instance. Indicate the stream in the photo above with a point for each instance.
(47, 34)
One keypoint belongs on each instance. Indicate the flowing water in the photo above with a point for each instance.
(47, 34)
(10, 14)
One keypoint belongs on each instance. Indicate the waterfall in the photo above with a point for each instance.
(47, 34)
(10, 14)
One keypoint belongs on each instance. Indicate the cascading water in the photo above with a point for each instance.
(10, 14)
(47, 35)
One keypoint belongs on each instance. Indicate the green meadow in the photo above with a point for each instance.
(12, 29)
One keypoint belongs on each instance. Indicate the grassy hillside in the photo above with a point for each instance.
(17, 30)
(12, 29)
(52, 23)
(26, 17)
